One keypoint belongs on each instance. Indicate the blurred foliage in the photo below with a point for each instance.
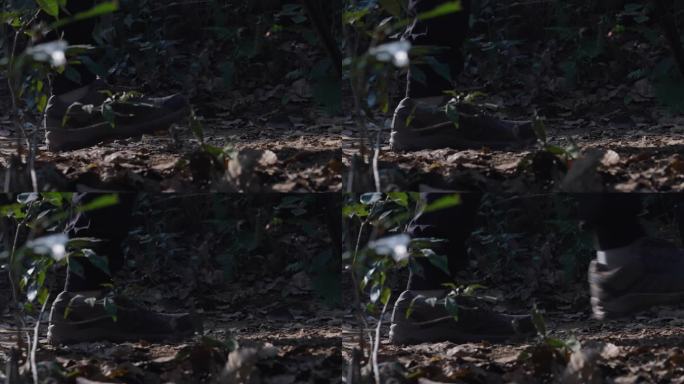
(514, 238)
(377, 247)
(35, 243)
(207, 240)
(208, 48)
(619, 40)
(211, 239)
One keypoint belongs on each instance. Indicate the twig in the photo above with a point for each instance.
(8, 172)
(34, 347)
(376, 156)
(376, 344)
(15, 108)
(357, 297)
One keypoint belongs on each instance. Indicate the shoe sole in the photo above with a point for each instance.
(436, 333)
(628, 304)
(420, 142)
(70, 139)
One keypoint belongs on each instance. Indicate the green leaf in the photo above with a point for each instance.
(82, 242)
(51, 7)
(371, 198)
(440, 68)
(56, 198)
(351, 210)
(400, 198)
(555, 343)
(393, 7)
(385, 295)
(443, 202)
(98, 10)
(444, 9)
(98, 261)
(451, 307)
(100, 202)
(439, 261)
(409, 310)
(43, 295)
(470, 290)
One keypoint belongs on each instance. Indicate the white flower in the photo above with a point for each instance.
(396, 52)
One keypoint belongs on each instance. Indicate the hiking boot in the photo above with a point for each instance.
(429, 321)
(92, 114)
(94, 316)
(654, 278)
(426, 125)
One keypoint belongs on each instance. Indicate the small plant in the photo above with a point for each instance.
(39, 223)
(378, 249)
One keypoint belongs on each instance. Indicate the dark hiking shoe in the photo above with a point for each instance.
(99, 116)
(418, 126)
(83, 317)
(430, 321)
(655, 278)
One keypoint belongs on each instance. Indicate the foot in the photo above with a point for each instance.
(429, 321)
(424, 124)
(91, 114)
(93, 316)
(654, 277)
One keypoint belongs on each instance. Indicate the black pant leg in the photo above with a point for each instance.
(453, 224)
(612, 217)
(77, 33)
(111, 225)
(447, 32)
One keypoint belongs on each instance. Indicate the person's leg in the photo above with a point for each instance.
(453, 224)
(110, 225)
(446, 34)
(87, 309)
(631, 271)
(71, 122)
(76, 33)
(420, 121)
(614, 223)
(431, 319)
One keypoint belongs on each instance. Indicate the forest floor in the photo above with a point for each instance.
(527, 255)
(639, 139)
(643, 348)
(271, 151)
(273, 330)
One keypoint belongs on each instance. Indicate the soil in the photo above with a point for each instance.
(296, 339)
(644, 348)
(283, 157)
(639, 138)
